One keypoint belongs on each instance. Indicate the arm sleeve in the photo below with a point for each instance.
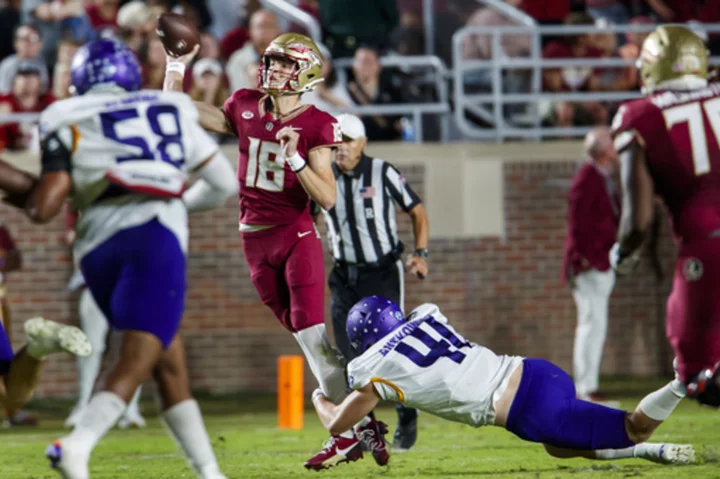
(56, 150)
(231, 109)
(327, 135)
(401, 192)
(216, 184)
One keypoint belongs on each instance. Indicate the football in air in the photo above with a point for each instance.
(178, 35)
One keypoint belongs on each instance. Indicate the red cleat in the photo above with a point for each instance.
(337, 449)
(373, 437)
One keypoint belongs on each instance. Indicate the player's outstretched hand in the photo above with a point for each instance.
(184, 59)
(288, 137)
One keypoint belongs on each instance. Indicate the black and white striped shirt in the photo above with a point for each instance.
(361, 226)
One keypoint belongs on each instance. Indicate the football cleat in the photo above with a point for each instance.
(48, 337)
(705, 387)
(69, 465)
(372, 436)
(336, 450)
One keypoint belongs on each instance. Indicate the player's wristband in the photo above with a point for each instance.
(318, 393)
(175, 67)
(296, 162)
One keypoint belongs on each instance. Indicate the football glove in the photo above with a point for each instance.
(623, 264)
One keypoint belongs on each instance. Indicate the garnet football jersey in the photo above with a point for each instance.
(680, 132)
(270, 192)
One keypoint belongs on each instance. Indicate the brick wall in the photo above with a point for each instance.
(502, 292)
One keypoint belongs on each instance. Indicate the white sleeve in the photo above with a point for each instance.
(216, 184)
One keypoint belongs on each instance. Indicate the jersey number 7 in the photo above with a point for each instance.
(692, 114)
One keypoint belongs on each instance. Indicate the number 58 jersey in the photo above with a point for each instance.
(680, 133)
(427, 365)
(125, 152)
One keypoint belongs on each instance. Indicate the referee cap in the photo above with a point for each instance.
(351, 126)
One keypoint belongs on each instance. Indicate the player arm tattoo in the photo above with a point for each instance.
(638, 202)
(340, 418)
(318, 179)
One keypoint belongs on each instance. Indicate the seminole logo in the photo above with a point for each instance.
(687, 64)
(692, 269)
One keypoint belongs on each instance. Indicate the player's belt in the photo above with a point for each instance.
(387, 260)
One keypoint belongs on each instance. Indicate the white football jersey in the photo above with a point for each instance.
(151, 139)
(427, 365)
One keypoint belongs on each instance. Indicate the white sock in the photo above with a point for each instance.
(185, 424)
(103, 411)
(608, 454)
(658, 405)
(134, 405)
(363, 422)
(315, 345)
(648, 450)
(95, 326)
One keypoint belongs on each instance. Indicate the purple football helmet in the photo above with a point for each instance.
(106, 62)
(370, 319)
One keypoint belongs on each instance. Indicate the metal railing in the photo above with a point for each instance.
(497, 99)
(288, 10)
(438, 75)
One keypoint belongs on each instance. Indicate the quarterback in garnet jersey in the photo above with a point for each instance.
(286, 151)
(669, 145)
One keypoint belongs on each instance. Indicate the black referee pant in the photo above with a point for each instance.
(348, 285)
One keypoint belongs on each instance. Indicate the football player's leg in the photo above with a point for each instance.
(693, 320)
(95, 325)
(343, 298)
(137, 278)
(181, 413)
(305, 277)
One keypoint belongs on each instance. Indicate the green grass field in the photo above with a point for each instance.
(249, 445)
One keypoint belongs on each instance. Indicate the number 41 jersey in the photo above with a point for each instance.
(427, 365)
(680, 132)
(270, 193)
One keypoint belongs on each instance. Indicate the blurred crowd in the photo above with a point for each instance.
(38, 39)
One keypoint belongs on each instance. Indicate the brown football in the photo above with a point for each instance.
(178, 35)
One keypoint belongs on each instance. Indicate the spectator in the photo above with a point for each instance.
(593, 214)
(370, 87)
(631, 51)
(329, 96)
(346, 26)
(209, 83)
(546, 12)
(28, 45)
(9, 21)
(52, 18)
(226, 16)
(612, 10)
(102, 14)
(61, 72)
(312, 8)
(26, 97)
(263, 29)
(209, 47)
(152, 58)
(136, 22)
(574, 78)
(608, 78)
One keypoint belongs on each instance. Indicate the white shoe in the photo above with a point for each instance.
(211, 472)
(70, 464)
(47, 337)
(74, 417)
(676, 454)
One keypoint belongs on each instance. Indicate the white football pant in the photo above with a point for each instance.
(592, 294)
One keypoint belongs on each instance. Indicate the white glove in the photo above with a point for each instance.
(622, 265)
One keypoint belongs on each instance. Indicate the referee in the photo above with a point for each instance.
(363, 238)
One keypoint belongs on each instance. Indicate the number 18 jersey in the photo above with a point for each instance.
(680, 132)
(270, 193)
(427, 365)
